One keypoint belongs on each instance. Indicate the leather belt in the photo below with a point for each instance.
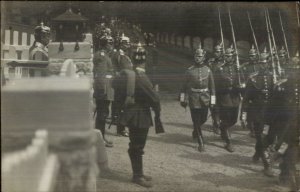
(199, 90)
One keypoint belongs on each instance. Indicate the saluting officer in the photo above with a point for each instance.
(199, 92)
(39, 50)
(228, 95)
(257, 99)
(103, 91)
(137, 115)
(248, 68)
(121, 61)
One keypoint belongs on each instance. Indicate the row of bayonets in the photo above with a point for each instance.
(271, 40)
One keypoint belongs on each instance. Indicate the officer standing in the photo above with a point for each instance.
(39, 50)
(248, 68)
(199, 92)
(103, 92)
(228, 95)
(257, 99)
(121, 61)
(214, 63)
(137, 115)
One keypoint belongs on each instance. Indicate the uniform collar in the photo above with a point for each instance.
(40, 45)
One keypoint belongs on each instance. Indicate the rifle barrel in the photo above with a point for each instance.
(254, 38)
(221, 30)
(284, 37)
(270, 45)
(235, 47)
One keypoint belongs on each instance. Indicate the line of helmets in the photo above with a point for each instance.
(122, 43)
(263, 56)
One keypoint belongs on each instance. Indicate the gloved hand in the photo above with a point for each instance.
(129, 101)
(183, 104)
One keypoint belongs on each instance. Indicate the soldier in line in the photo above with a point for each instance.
(257, 99)
(103, 93)
(121, 61)
(290, 132)
(214, 63)
(248, 69)
(227, 95)
(137, 115)
(39, 51)
(199, 92)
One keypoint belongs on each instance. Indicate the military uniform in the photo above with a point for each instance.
(228, 96)
(137, 116)
(197, 90)
(103, 91)
(38, 52)
(121, 63)
(214, 63)
(248, 69)
(257, 100)
(287, 102)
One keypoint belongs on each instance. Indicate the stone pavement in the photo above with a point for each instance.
(172, 158)
(175, 164)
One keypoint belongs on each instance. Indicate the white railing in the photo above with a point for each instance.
(31, 169)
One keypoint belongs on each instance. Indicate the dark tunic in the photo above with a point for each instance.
(103, 74)
(227, 86)
(199, 86)
(139, 114)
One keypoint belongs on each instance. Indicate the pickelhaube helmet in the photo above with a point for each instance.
(200, 52)
(124, 39)
(282, 52)
(139, 54)
(264, 56)
(229, 51)
(38, 30)
(105, 39)
(252, 51)
(296, 59)
(218, 48)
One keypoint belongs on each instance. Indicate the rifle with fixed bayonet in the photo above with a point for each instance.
(221, 31)
(274, 44)
(270, 46)
(235, 47)
(284, 37)
(253, 34)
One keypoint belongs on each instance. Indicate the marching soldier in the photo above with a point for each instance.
(228, 96)
(103, 92)
(257, 100)
(249, 68)
(286, 100)
(39, 51)
(199, 92)
(137, 115)
(121, 61)
(214, 63)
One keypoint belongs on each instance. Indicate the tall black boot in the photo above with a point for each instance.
(200, 140)
(137, 169)
(268, 171)
(102, 129)
(226, 137)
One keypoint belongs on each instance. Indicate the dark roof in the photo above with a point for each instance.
(70, 16)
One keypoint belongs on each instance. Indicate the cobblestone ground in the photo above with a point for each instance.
(175, 164)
